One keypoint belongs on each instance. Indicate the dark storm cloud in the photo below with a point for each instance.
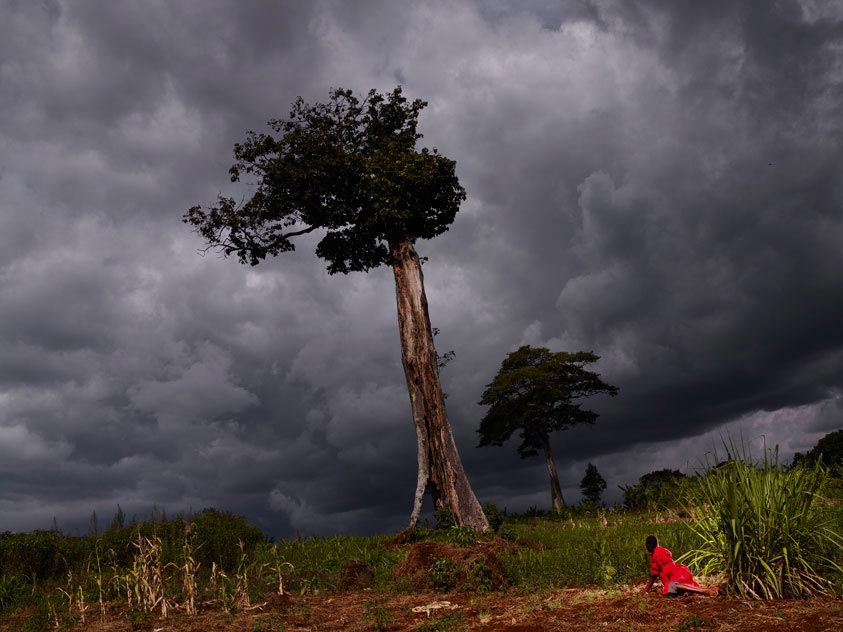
(657, 181)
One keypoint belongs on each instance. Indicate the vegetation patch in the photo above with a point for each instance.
(765, 528)
(445, 567)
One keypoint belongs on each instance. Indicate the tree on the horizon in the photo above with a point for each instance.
(592, 484)
(350, 171)
(534, 394)
(659, 488)
(829, 450)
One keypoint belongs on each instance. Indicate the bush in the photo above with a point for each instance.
(660, 489)
(217, 536)
(494, 515)
(462, 536)
(38, 554)
(444, 574)
(762, 527)
(445, 519)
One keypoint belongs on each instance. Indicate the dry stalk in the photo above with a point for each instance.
(277, 567)
(145, 580)
(189, 571)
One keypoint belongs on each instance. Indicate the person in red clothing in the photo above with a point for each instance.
(675, 577)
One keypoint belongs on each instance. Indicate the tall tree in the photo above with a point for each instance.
(592, 484)
(351, 170)
(534, 394)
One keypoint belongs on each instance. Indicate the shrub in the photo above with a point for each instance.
(444, 574)
(761, 526)
(478, 577)
(494, 515)
(38, 554)
(217, 536)
(462, 536)
(378, 615)
(445, 519)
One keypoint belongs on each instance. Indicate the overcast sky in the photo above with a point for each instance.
(658, 181)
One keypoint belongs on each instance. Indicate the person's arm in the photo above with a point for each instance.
(649, 585)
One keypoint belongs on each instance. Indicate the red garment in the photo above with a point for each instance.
(662, 564)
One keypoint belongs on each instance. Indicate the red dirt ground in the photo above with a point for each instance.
(508, 611)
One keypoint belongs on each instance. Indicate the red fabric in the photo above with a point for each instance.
(662, 564)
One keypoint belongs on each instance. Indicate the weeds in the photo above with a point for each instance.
(450, 622)
(444, 574)
(377, 615)
(478, 577)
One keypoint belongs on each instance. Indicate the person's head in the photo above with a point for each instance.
(652, 542)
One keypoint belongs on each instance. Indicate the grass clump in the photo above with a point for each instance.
(764, 527)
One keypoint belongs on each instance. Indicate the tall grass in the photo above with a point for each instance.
(583, 551)
(765, 527)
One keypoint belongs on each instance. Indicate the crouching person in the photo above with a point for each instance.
(675, 578)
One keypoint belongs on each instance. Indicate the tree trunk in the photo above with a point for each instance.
(440, 468)
(555, 488)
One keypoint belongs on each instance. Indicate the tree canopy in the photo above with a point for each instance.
(347, 167)
(535, 393)
(659, 488)
(829, 450)
(592, 484)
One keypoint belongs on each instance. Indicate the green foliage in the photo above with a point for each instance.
(345, 166)
(592, 484)
(829, 451)
(15, 590)
(448, 622)
(553, 553)
(495, 516)
(217, 536)
(139, 619)
(315, 564)
(39, 620)
(660, 489)
(444, 574)
(605, 571)
(38, 554)
(445, 519)
(377, 615)
(761, 525)
(478, 577)
(534, 394)
(462, 536)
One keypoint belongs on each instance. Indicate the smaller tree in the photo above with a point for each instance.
(534, 394)
(119, 519)
(592, 484)
(829, 450)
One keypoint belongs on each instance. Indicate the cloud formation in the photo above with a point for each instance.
(659, 182)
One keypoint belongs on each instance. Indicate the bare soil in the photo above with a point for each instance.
(584, 610)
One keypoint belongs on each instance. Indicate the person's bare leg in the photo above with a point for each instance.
(712, 590)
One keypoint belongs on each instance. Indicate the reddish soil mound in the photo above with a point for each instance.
(474, 567)
(356, 575)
